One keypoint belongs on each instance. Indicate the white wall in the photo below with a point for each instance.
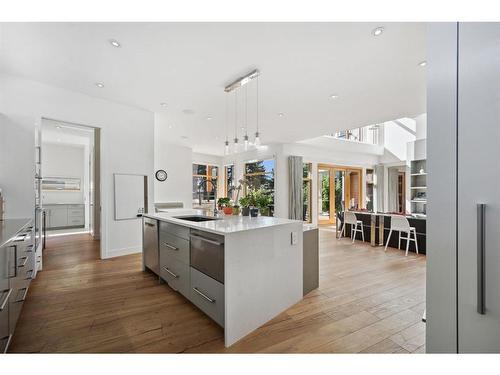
(177, 161)
(126, 147)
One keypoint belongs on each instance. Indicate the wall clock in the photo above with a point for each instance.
(161, 175)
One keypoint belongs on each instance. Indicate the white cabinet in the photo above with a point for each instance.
(65, 215)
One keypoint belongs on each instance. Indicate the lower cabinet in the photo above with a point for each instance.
(208, 295)
(175, 269)
(17, 268)
(65, 215)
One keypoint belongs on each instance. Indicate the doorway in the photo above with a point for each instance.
(338, 188)
(70, 184)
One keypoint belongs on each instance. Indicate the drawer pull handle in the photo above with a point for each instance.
(21, 238)
(29, 249)
(30, 277)
(23, 298)
(149, 224)
(171, 273)
(6, 299)
(217, 243)
(8, 338)
(170, 246)
(204, 295)
(25, 260)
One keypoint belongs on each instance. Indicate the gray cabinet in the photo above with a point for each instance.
(17, 267)
(207, 294)
(478, 183)
(65, 215)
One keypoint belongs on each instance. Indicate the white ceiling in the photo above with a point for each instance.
(187, 65)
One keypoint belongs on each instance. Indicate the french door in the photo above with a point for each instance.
(478, 187)
(338, 188)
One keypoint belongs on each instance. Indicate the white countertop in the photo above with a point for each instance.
(223, 225)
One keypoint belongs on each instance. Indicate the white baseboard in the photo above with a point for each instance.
(120, 252)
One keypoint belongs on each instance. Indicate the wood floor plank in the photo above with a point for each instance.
(368, 301)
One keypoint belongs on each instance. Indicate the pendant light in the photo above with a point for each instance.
(235, 149)
(257, 134)
(246, 119)
(226, 143)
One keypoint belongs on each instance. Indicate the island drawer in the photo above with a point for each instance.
(176, 274)
(175, 247)
(174, 229)
(208, 295)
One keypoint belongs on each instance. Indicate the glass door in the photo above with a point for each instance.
(338, 188)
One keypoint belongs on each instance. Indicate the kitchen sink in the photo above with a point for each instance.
(195, 218)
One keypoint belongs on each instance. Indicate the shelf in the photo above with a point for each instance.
(418, 174)
(418, 187)
(419, 201)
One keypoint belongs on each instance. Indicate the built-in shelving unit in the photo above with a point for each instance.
(418, 187)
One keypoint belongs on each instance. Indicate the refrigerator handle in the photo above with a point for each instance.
(481, 261)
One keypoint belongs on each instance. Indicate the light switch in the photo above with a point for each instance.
(295, 238)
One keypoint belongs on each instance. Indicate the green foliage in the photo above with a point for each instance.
(338, 194)
(245, 201)
(325, 193)
(223, 201)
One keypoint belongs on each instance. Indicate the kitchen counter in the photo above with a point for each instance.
(241, 271)
(9, 227)
(223, 225)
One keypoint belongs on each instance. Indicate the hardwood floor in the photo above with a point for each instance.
(368, 302)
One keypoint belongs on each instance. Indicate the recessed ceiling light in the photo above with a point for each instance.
(170, 126)
(184, 137)
(209, 118)
(100, 85)
(281, 114)
(378, 31)
(115, 43)
(422, 63)
(163, 104)
(334, 96)
(188, 111)
(58, 126)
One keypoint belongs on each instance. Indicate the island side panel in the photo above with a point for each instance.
(263, 277)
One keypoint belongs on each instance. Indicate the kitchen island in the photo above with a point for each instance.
(240, 271)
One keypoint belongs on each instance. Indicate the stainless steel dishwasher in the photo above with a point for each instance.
(207, 254)
(150, 251)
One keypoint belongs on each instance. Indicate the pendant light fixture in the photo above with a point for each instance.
(257, 134)
(234, 86)
(235, 149)
(226, 142)
(246, 119)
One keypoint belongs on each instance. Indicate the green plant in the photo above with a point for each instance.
(223, 202)
(245, 201)
(263, 198)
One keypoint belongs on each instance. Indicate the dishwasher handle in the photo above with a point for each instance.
(213, 242)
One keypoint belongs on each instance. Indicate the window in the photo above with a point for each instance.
(260, 175)
(203, 190)
(229, 181)
(306, 187)
(366, 134)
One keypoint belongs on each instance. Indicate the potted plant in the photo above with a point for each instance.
(225, 203)
(245, 205)
(263, 201)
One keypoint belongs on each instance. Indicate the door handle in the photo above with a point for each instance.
(15, 263)
(25, 260)
(170, 246)
(481, 261)
(216, 243)
(23, 298)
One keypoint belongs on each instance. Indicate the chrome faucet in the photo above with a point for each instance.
(214, 184)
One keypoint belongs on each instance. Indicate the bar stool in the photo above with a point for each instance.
(350, 218)
(401, 224)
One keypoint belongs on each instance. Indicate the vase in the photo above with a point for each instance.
(245, 211)
(228, 210)
(254, 212)
(236, 210)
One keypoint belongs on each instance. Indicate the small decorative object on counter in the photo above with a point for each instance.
(225, 204)
(245, 206)
(254, 212)
(236, 210)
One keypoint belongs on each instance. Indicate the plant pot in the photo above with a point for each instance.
(245, 211)
(228, 210)
(236, 210)
(264, 211)
(254, 212)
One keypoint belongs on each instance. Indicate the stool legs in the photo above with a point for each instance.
(388, 238)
